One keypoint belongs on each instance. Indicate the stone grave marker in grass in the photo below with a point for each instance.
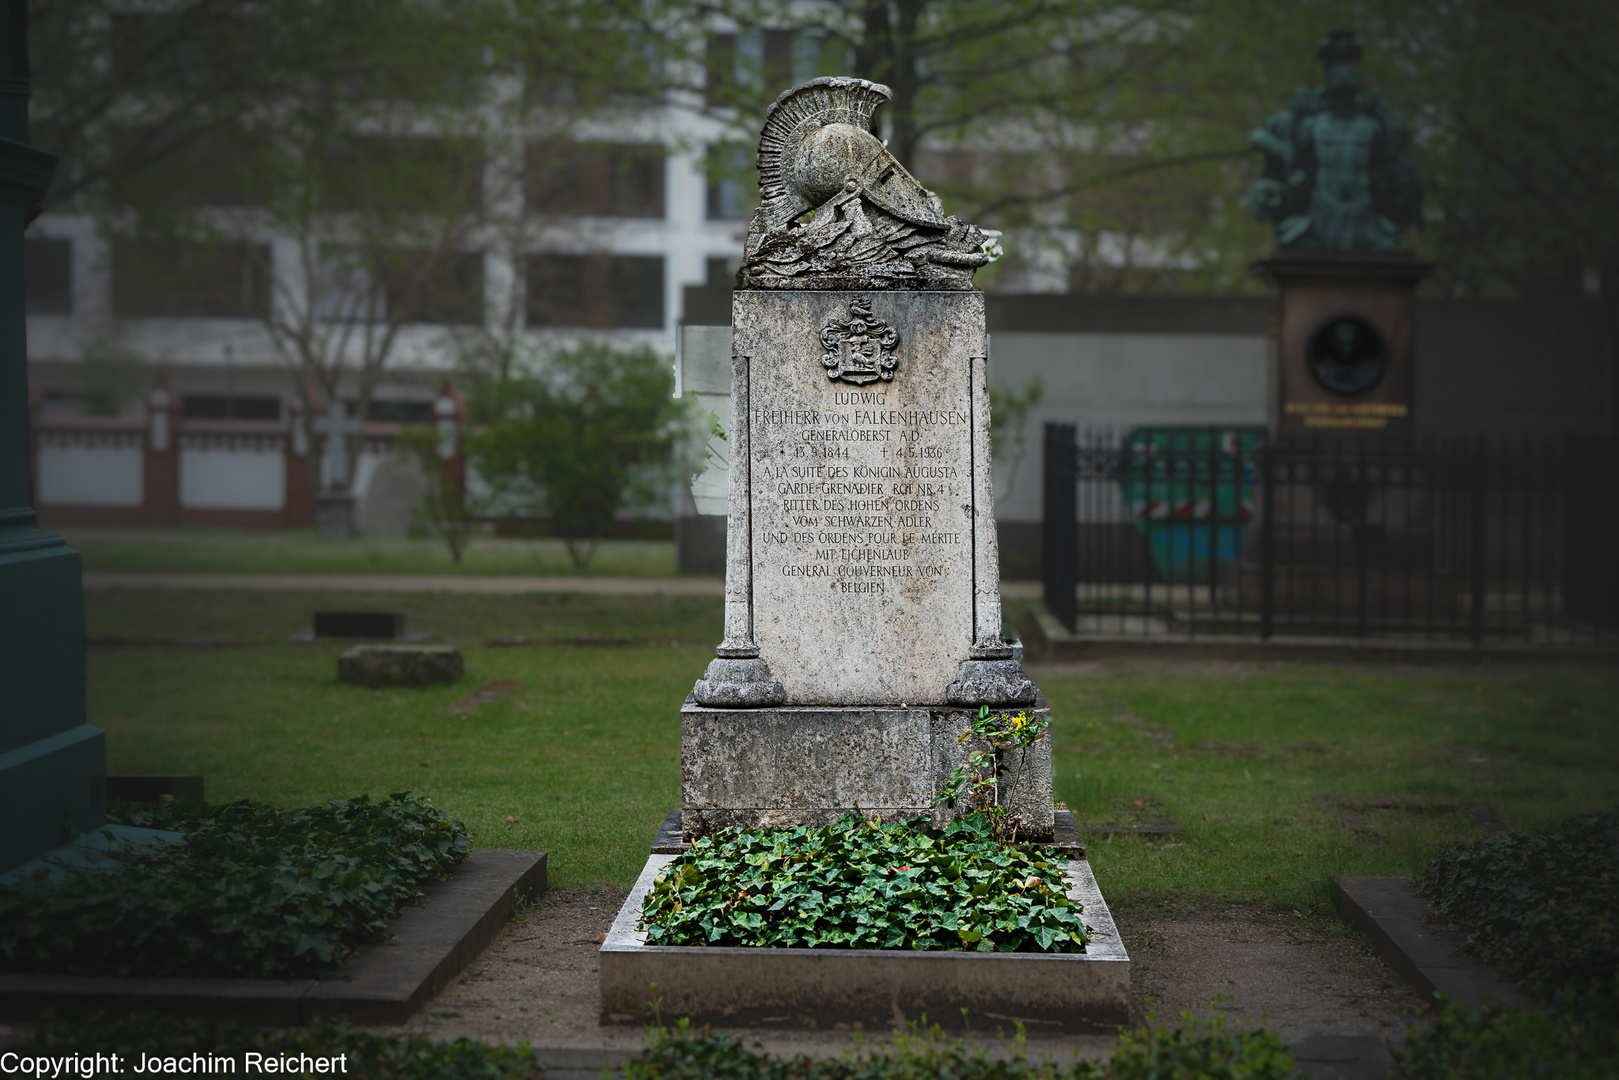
(377, 666)
(378, 625)
(862, 669)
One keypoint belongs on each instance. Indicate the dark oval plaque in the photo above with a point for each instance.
(1347, 354)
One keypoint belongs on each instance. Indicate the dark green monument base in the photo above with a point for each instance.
(53, 765)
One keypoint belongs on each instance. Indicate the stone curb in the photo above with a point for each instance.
(581, 1063)
(1344, 1057)
(731, 986)
(380, 984)
(1428, 958)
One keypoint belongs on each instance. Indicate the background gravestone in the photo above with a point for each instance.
(863, 620)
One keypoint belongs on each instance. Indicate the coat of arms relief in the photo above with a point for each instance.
(859, 349)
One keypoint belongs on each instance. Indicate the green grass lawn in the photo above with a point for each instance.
(584, 754)
(247, 551)
(1240, 755)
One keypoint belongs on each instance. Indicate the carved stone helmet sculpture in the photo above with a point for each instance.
(870, 224)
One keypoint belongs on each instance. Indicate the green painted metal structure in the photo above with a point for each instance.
(53, 764)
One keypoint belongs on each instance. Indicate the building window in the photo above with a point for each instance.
(732, 183)
(49, 271)
(229, 407)
(638, 291)
(595, 180)
(601, 292)
(403, 175)
(765, 62)
(226, 167)
(397, 411)
(178, 279)
(444, 288)
(403, 285)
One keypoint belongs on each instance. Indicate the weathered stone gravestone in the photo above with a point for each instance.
(862, 611)
(378, 666)
(862, 600)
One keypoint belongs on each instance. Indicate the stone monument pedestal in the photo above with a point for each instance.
(1341, 342)
(809, 765)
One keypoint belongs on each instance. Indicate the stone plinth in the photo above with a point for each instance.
(379, 666)
(1315, 290)
(808, 764)
(874, 988)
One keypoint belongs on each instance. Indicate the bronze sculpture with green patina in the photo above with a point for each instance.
(1338, 169)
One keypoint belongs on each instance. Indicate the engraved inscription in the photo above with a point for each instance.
(862, 511)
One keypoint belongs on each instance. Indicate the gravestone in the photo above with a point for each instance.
(862, 600)
(335, 503)
(379, 666)
(359, 624)
(862, 596)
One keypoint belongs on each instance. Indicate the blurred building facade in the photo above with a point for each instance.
(159, 396)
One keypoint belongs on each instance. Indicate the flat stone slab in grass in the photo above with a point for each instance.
(384, 983)
(870, 988)
(378, 666)
(1430, 958)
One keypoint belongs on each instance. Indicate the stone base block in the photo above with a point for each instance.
(867, 988)
(50, 789)
(793, 765)
(377, 666)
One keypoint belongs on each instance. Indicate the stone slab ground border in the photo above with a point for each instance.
(869, 988)
(1427, 957)
(380, 984)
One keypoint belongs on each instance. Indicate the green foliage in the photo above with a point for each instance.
(1009, 421)
(863, 884)
(1544, 904)
(249, 891)
(443, 508)
(414, 1057)
(977, 784)
(1200, 1051)
(589, 434)
(1569, 1042)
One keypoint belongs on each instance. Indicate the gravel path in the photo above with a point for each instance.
(538, 982)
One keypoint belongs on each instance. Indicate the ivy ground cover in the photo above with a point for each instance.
(862, 884)
(249, 891)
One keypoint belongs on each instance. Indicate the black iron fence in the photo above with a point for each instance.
(1218, 531)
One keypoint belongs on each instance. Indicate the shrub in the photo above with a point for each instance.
(862, 884)
(373, 1057)
(1572, 1041)
(248, 891)
(1544, 905)
(587, 435)
(1201, 1051)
